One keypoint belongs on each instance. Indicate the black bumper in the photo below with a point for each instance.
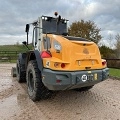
(62, 80)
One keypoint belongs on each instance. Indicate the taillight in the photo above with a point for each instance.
(46, 54)
(58, 81)
(63, 65)
(56, 64)
(104, 63)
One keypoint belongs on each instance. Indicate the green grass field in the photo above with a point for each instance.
(11, 52)
(13, 48)
(114, 72)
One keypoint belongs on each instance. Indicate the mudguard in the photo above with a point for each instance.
(22, 60)
(26, 57)
(39, 60)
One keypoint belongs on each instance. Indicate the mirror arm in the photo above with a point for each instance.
(27, 31)
(27, 38)
(25, 43)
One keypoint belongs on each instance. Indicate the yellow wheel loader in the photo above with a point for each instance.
(58, 61)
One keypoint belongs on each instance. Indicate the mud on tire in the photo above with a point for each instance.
(36, 88)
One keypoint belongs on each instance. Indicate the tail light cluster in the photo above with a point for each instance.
(46, 54)
(62, 65)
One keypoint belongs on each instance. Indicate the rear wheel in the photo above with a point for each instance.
(36, 88)
(21, 75)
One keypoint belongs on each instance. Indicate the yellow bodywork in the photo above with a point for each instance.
(76, 55)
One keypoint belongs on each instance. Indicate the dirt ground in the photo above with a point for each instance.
(102, 102)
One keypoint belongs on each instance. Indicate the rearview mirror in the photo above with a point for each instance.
(27, 28)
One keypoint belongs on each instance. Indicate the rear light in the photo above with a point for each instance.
(56, 64)
(58, 81)
(63, 65)
(46, 54)
(104, 63)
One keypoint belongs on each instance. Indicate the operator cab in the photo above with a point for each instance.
(53, 25)
(46, 25)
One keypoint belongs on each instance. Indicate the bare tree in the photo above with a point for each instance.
(17, 43)
(117, 45)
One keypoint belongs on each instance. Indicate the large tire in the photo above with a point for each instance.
(21, 74)
(36, 88)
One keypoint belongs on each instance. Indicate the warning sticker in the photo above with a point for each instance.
(84, 78)
(48, 64)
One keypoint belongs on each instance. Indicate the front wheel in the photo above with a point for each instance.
(36, 88)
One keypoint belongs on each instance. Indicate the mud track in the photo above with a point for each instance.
(102, 102)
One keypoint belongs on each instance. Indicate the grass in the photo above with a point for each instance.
(114, 72)
(12, 51)
(13, 48)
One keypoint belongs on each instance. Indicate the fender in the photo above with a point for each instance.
(22, 59)
(39, 60)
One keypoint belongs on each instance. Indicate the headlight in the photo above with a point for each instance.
(57, 45)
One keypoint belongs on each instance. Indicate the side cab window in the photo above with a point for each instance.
(46, 43)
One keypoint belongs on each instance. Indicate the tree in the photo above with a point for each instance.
(110, 40)
(17, 43)
(107, 52)
(117, 45)
(85, 29)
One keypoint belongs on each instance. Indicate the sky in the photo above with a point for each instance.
(15, 14)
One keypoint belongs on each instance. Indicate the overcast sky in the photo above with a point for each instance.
(14, 14)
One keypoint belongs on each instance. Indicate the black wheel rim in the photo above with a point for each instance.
(30, 81)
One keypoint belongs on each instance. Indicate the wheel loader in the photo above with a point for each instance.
(58, 61)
